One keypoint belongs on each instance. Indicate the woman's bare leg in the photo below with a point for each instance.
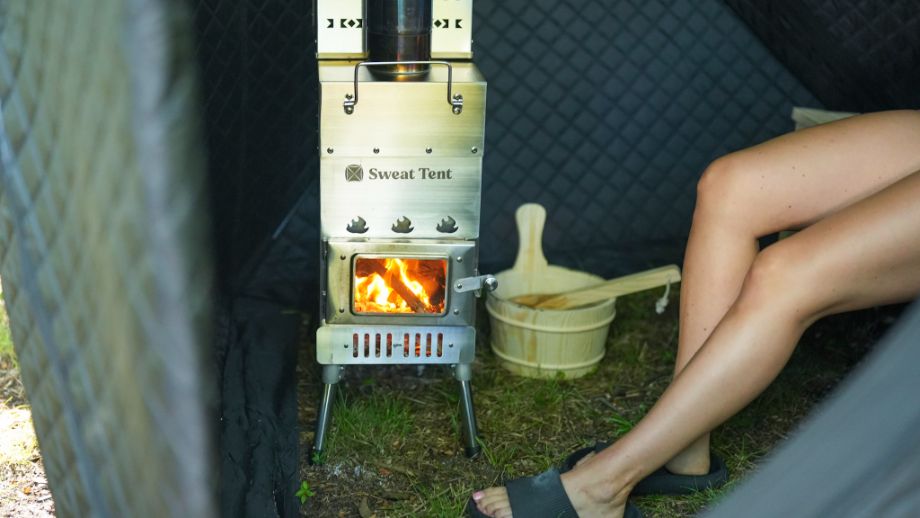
(788, 182)
(724, 228)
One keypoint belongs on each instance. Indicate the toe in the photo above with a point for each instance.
(493, 500)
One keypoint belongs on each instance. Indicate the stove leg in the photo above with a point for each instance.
(331, 376)
(463, 372)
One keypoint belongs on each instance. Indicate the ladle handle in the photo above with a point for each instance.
(666, 275)
(530, 218)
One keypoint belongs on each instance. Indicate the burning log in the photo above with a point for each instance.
(366, 267)
(393, 279)
(431, 275)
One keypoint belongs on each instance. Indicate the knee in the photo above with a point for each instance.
(721, 191)
(783, 278)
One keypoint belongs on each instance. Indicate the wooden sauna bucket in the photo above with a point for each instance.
(542, 343)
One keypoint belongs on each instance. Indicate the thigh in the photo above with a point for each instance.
(799, 178)
(863, 255)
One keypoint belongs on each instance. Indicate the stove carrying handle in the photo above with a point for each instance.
(455, 101)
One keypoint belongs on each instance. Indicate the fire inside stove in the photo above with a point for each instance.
(394, 285)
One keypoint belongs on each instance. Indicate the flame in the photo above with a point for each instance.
(394, 285)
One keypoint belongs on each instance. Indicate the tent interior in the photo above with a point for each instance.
(604, 112)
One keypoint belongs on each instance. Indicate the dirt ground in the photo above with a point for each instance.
(394, 445)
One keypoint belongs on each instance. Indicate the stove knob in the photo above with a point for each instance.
(448, 225)
(357, 226)
(403, 225)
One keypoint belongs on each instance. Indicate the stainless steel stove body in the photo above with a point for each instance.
(401, 181)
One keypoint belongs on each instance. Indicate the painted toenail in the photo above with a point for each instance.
(478, 495)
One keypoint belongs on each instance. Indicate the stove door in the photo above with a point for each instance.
(399, 282)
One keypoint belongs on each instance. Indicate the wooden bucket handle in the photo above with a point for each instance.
(530, 218)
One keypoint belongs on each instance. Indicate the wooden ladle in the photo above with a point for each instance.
(607, 290)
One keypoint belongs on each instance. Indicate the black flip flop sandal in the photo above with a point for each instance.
(541, 496)
(662, 481)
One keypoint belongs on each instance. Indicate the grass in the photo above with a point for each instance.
(372, 425)
(394, 444)
(6, 340)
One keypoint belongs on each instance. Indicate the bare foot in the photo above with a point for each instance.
(589, 496)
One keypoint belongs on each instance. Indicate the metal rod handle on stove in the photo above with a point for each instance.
(455, 101)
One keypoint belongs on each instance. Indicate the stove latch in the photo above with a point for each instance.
(476, 284)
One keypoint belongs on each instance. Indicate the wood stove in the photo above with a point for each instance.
(401, 147)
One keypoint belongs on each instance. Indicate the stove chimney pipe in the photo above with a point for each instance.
(399, 30)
